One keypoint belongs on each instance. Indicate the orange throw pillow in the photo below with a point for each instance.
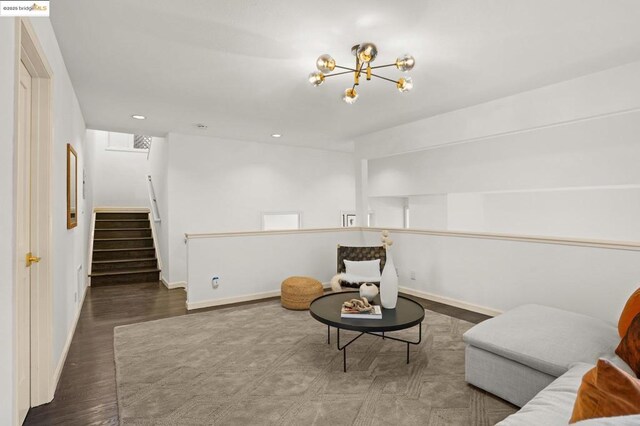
(631, 309)
(629, 347)
(606, 391)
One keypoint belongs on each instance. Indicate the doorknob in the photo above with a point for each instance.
(30, 258)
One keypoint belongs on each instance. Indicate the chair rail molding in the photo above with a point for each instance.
(569, 241)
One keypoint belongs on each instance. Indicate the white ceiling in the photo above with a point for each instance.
(241, 66)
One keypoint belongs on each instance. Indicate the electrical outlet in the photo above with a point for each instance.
(413, 275)
(214, 282)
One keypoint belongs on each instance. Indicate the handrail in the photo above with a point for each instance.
(153, 201)
(578, 242)
(191, 236)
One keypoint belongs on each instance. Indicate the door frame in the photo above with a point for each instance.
(30, 52)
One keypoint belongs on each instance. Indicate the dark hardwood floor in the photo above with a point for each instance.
(86, 393)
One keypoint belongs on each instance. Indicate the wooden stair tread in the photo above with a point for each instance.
(123, 239)
(124, 249)
(118, 229)
(142, 259)
(125, 272)
(122, 220)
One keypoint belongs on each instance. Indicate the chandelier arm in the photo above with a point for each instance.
(384, 78)
(383, 66)
(338, 73)
(346, 68)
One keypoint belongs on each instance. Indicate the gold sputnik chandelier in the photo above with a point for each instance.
(365, 54)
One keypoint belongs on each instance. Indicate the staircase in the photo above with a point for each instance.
(123, 250)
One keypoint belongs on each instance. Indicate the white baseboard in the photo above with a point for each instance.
(449, 301)
(67, 345)
(229, 300)
(176, 284)
(238, 299)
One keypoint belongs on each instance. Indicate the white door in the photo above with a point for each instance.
(23, 239)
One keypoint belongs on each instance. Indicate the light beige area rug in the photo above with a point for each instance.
(264, 365)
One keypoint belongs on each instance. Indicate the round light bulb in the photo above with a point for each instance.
(350, 96)
(316, 78)
(405, 62)
(404, 84)
(367, 52)
(325, 63)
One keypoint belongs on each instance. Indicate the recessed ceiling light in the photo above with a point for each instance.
(139, 117)
(276, 135)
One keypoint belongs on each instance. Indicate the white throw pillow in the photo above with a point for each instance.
(366, 268)
(356, 279)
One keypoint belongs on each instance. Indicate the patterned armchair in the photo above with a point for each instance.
(359, 254)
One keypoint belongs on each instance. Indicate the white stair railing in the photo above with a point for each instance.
(155, 212)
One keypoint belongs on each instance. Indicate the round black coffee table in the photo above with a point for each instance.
(407, 313)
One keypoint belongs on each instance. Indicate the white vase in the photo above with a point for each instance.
(368, 290)
(389, 284)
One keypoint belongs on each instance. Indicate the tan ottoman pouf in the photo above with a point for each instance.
(298, 292)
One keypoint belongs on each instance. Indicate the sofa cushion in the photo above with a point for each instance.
(606, 391)
(554, 404)
(544, 338)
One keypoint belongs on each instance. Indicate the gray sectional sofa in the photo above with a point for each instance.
(535, 356)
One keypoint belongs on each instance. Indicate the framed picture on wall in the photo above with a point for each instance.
(348, 219)
(72, 187)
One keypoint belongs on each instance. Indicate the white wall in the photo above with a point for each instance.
(500, 275)
(465, 212)
(601, 214)
(596, 152)
(590, 96)
(483, 274)
(220, 185)
(119, 176)
(556, 161)
(69, 246)
(255, 265)
(580, 180)
(428, 211)
(388, 211)
(7, 218)
(158, 169)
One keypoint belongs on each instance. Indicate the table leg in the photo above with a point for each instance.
(344, 348)
(344, 360)
(344, 352)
